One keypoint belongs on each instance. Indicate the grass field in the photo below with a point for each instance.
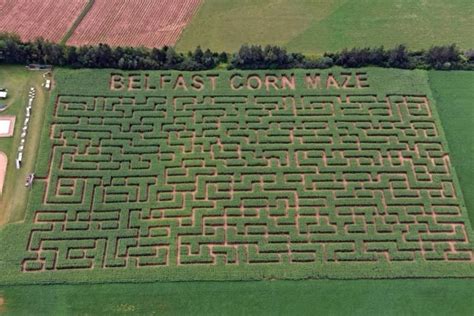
(362, 297)
(454, 94)
(317, 26)
(18, 81)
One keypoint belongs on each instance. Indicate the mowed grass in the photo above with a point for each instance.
(323, 297)
(454, 94)
(316, 26)
(18, 81)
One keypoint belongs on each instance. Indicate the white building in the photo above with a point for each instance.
(3, 94)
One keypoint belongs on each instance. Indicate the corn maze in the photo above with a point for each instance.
(245, 178)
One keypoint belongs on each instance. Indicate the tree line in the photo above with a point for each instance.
(448, 57)
(40, 51)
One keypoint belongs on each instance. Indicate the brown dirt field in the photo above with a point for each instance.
(150, 23)
(30, 19)
(3, 169)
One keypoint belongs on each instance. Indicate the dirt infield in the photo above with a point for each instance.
(30, 19)
(151, 23)
(7, 126)
(3, 169)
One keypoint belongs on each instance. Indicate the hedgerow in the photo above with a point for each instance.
(14, 51)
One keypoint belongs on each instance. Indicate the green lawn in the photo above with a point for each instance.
(454, 94)
(18, 81)
(324, 297)
(315, 26)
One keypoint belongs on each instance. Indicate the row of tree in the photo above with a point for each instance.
(39, 51)
(447, 57)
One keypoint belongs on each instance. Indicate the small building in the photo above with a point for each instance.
(3, 94)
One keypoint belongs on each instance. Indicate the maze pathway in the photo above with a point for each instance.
(242, 180)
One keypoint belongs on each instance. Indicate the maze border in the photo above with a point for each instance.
(395, 270)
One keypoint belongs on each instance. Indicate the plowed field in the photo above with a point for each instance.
(151, 23)
(49, 19)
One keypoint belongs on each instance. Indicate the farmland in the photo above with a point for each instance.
(295, 191)
(49, 19)
(454, 94)
(360, 297)
(317, 26)
(209, 179)
(150, 23)
(310, 27)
